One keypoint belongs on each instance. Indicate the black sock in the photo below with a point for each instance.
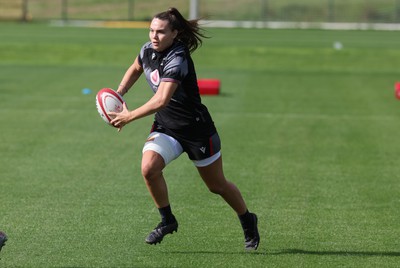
(166, 215)
(246, 220)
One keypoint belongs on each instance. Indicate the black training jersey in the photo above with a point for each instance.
(184, 112)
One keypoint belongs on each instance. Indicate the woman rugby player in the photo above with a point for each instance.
(182, 123)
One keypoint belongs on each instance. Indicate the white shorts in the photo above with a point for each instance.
(170, 149)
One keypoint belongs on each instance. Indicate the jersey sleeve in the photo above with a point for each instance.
(140, 60)
(176, 68)
(141, 53)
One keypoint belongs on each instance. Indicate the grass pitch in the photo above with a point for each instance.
(309, 134)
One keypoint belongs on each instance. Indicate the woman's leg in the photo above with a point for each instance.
(214, 178)
(152, 166)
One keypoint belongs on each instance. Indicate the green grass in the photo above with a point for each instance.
(309, 135)
(271, 10)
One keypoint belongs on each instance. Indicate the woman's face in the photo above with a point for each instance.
(161, 35)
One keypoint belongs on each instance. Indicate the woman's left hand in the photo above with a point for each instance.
(120, 119)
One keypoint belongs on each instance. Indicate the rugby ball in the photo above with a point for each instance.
(107, 100)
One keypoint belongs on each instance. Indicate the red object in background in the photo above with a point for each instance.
(209, 86)
(397, 89)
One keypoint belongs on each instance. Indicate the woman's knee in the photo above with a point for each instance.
(216, 190)
(152, 166)
(150, 171)
(219, 188)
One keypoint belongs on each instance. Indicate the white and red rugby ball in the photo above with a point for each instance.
(107, 101)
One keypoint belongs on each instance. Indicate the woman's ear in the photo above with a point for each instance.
(175, 33)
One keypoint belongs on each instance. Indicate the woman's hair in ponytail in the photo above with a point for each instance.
(189, 31)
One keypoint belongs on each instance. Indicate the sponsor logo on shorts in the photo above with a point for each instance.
(203, 149)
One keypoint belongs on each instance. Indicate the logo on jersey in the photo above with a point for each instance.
(203, 149)
(155, 77)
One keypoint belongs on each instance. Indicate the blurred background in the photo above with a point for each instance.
(355, 11)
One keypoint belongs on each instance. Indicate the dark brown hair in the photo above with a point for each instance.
(189, 31)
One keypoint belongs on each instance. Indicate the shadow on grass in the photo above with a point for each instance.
(338, 253)
(205, 252)
(298, 251)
